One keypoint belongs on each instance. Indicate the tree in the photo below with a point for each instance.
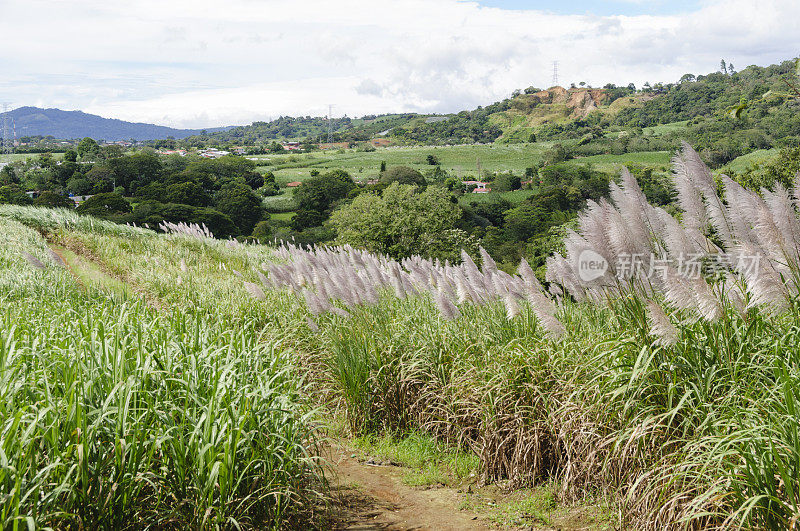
(238, 201)
(525, 221)
(317, 196)
(53, 200)
(400, 222)
(454, 184)
(262, 231)
(402, 175)
(70, 155)
(104, 205)
(8, 174)
(135, 170)
(506, 182)
(12, 193)
(101, 178)
(556, 154)
(254, 180)
(79, 185)
(188, 193)
(432, 160)
(216, 172)
(723, 67)
(269, 189)
(88, 148)
(112, 152)
(687, 78)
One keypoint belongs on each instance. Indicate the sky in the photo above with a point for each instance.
(202, 63)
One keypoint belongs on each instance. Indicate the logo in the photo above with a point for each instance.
(591, 265)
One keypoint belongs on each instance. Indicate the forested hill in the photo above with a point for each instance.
(313, 128)
(756, 103)
(33, 121)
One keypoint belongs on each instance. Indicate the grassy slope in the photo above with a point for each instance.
(741, 164)
(594, 411)
(522, 119)
(613, 163)
(456, 159)
(143, 417)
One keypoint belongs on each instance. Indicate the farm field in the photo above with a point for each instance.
(662, 129)
(13, 157)
(457, 159)
(515, 196)
(613, 163)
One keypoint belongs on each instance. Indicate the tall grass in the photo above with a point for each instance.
(676, 393)
(677, 399)
(47, 219)
(114, 415)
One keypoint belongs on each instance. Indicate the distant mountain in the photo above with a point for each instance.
(33, 121)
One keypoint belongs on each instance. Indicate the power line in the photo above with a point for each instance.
(8, 144)
(330, 124)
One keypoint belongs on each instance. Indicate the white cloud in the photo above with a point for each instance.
(197, 64)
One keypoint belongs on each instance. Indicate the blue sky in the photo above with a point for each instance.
(204, 63)
(600, 7)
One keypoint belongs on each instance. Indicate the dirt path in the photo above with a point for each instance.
(368, 496)
(375, 497)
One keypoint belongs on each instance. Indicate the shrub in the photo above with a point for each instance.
(104, 205)
(53, 200)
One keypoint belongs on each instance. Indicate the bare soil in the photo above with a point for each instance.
(374, 497)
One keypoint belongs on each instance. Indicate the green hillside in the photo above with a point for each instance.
(724, 115)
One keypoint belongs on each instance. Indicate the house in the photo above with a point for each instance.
(213, 153)
(78, 199)
(291, 146)
(481, 187)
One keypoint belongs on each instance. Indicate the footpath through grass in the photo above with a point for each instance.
(90, 275)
